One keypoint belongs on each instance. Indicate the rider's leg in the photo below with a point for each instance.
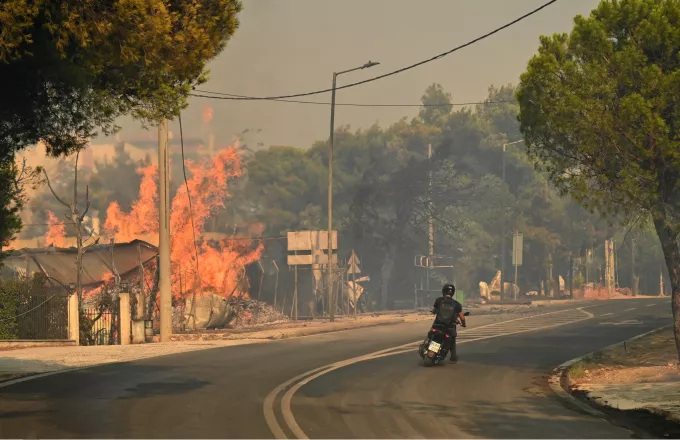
(452, 345)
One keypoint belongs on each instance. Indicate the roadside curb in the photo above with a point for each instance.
(559, 381)
(292, 332)
(254, 340)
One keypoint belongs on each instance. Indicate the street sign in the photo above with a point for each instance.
(353, 264)
(306, 260)
(354, 269)
(517, 245)
(310, 240)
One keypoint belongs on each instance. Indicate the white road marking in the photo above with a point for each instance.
(650, 305)
(628, 310)
(606, 314)
(464, 337)
(629, 322)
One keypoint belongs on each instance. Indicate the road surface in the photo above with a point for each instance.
(497, 390)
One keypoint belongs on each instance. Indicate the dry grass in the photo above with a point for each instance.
(652, 358)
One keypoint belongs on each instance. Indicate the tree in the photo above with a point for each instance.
(70, 68)
(436, 104)
(599, 113)
(13, 179)
(76, 216)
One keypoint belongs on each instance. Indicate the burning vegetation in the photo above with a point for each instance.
(56, 231)
(199, 267)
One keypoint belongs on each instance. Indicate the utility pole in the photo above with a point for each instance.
(430, 220)
(503, 233)
(505, 147)
(164, 285)
(331, 302)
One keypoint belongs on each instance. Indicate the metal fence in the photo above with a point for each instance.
(43, 315)
(100, 326)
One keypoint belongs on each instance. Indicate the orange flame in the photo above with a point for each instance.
(143, 218)
(221, 268)
(56, 232)
(207, 115)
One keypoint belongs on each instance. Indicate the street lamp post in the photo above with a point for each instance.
(503, 223)
(331, 301)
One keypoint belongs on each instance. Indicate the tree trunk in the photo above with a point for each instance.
(79, 259)
(154, 291)
(669, 244)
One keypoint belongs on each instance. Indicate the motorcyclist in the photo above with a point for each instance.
(448, 313)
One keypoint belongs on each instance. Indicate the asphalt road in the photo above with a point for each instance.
(497, 390)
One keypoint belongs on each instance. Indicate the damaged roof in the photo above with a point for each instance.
(60, 263)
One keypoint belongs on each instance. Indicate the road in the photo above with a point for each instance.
(497, 390)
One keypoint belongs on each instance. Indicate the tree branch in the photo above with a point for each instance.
(49, 185)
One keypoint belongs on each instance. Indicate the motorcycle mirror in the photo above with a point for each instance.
(466, 314)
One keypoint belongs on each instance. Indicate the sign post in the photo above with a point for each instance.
(354, 269)
(517, 246)
(313, 244)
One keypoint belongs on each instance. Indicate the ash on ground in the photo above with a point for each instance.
(252, 313)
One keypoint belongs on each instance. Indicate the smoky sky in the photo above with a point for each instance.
(292, 46)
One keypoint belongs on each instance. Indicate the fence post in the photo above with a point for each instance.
(124, 318)
(73, 318)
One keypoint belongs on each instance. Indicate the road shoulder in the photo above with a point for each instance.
(634, 383)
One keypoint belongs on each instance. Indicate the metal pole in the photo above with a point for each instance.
(294, 313)
(164, 286)
(571, 277)
(514, 287)
(330, 203)
(276, 283)
(430, 220)
(503, 232)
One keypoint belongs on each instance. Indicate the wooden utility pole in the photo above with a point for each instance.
(430, 220)
(165, 287)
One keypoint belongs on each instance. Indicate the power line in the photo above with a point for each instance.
(186, 183)
(228, 96)
(403, 69)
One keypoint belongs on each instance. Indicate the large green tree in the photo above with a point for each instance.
(600, 113)
(70, 68)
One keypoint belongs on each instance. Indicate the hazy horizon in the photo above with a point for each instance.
(294, 46)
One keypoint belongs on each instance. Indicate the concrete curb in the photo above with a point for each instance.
(294, 332)
(309, 333)
(559, 375)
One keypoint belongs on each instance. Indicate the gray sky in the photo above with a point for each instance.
(292, 46)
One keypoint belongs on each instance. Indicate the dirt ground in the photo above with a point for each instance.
(652, 358)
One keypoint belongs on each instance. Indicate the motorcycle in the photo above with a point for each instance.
(433, 350)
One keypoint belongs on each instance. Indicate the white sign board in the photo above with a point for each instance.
(307, 260)
(310, 240)
(517, 246)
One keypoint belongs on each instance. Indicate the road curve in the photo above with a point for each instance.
(499, 389)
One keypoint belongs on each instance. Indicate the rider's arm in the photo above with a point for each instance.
(461, 316)
(435, 307)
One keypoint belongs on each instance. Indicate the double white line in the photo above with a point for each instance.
(290, 387)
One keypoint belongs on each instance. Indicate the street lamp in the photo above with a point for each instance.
(331, 301)
(503, 223)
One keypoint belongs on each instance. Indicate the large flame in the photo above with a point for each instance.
(220, 268)
(143, 218)
(56, 231)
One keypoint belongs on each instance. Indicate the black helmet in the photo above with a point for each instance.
(449, 289)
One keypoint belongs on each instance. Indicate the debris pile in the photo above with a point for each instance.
(250, 313)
